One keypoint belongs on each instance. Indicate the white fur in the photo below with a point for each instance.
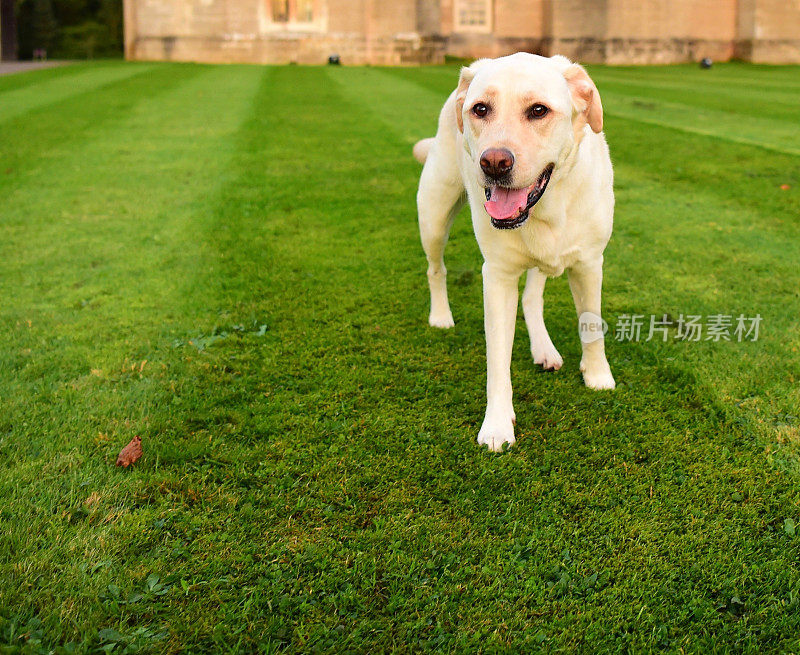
(567, 229)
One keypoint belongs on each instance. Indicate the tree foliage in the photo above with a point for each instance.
(70, 29)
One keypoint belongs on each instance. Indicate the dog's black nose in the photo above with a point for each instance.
(496, 162)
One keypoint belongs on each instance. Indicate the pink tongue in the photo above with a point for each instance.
(506, 203)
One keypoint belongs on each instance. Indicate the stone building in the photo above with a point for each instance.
(424, 31)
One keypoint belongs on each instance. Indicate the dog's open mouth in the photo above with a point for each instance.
(509, 208)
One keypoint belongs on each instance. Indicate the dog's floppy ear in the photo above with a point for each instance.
(467, 75)
(585, 98)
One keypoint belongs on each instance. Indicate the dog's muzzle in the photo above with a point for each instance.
(509, 208)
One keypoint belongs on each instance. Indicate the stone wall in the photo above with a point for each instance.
(400, 32)
(768, 31)
(214, 31)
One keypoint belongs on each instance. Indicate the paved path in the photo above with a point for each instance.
(9, 67)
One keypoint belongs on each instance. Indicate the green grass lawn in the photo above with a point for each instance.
(225, 261)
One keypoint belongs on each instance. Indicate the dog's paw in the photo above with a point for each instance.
(442, 320)
(495, 434)
(546, 356)
(598, 376)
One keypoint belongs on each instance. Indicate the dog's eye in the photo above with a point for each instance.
(537, 111)
(480, 110)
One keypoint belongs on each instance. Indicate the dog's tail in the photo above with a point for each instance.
(421, 149)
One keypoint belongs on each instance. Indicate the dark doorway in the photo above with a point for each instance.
(8, 31)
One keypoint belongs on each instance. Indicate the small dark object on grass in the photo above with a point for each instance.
(131, 453)
(334, 60)
(706, 62)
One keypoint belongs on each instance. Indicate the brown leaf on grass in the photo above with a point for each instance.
(131, 453)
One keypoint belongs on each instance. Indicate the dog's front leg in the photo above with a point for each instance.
(585, 282)
(500, 297)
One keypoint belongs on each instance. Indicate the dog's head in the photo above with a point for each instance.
(520, 116)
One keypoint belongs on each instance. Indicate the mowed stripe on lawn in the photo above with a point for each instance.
(770, 133)
(102, 227)
(54, 88)
(725, 75)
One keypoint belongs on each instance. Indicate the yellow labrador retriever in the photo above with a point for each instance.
(522, 135)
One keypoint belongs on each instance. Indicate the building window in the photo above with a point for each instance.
(292, 11)
(473, 15)
(304, 11)
(280, 11)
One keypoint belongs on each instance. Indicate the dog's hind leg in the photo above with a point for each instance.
(440, 197)
(542, 348)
